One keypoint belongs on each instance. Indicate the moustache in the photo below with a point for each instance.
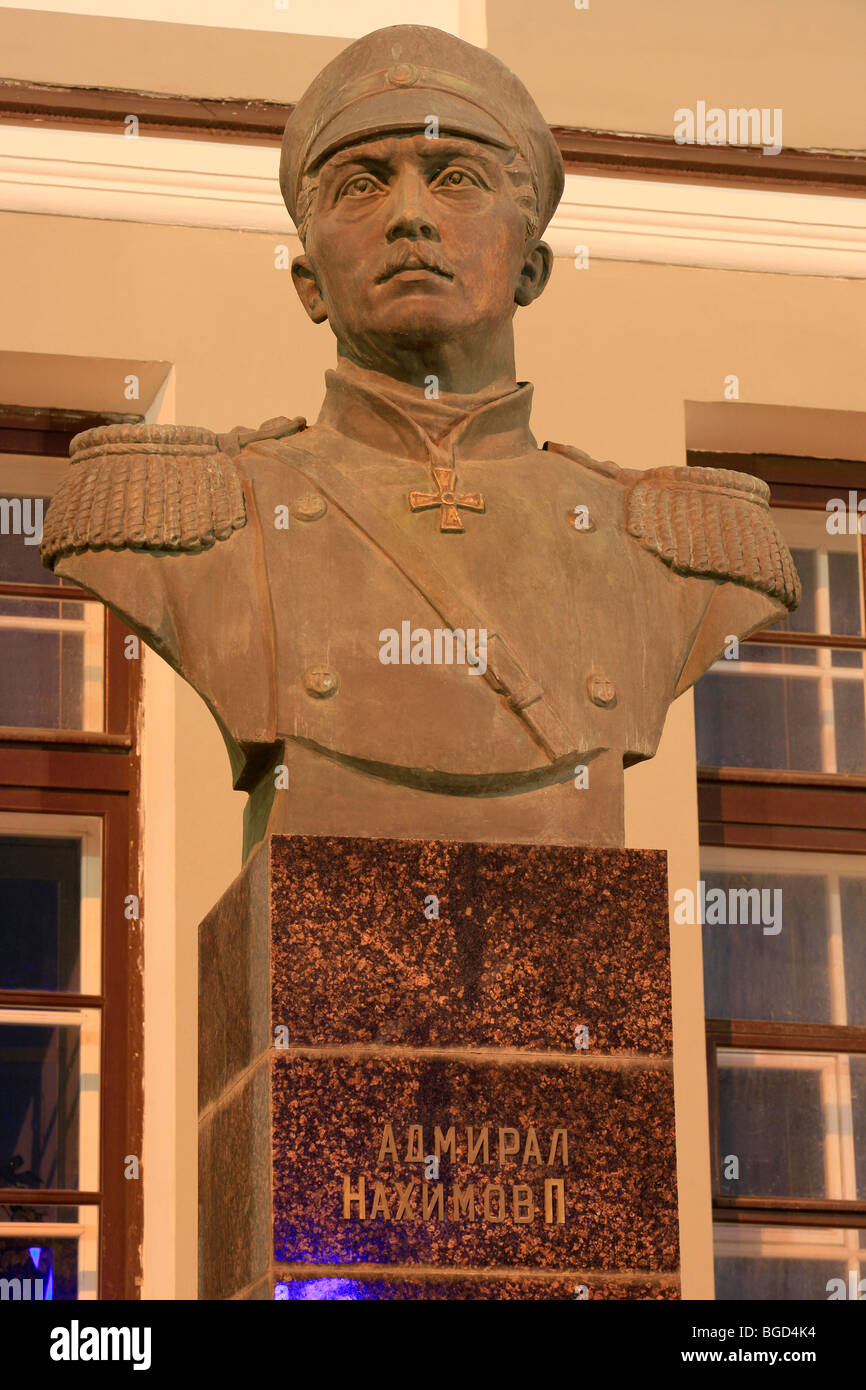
(413, 257)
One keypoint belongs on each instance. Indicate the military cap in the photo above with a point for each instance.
(396, 78)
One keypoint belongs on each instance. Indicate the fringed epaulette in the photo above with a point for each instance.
(167, 488)
(715, 523)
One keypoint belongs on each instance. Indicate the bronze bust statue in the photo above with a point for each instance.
(407, 618)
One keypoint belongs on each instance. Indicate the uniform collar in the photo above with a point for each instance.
(357, 407)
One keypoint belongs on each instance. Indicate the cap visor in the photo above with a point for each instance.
(406, 111)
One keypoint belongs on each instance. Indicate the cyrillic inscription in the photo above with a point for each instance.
(491, 1202)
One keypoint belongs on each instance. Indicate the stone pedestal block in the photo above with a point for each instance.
(437, 1071)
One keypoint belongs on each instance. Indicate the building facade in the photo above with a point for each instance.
(707, 306)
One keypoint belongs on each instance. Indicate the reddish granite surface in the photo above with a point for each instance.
(620, 1206)
(530, 941)
(481, 1289)
(384, 1015)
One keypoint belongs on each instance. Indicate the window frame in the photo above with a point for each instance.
(73, 773)
(772, 809)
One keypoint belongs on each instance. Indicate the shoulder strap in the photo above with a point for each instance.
(278, 427)
(605, 466)
(504, 671)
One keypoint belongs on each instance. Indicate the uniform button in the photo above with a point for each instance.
(309, 507)
(601, 691)
(320, 682)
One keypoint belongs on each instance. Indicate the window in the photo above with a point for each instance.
(796, 700)
(781, 735)
(53, 671)
(70, 1006)
(789, 1262)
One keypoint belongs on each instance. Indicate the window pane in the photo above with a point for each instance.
(845, 617)
(40, 913)
(25, 1211)
(786, 1262)
(791, 1124)
(37, 1271)
(755, 721)
(858, 1108)
(48, 1253)
(40, 1075)
(801, 709)
(770, 654)
(830, 576)
(853, 901)
(51, 664)
(20, 532)
(771, 1122)
(841, 657)
(750, 973)
(805, 617)
(794, 1280)
(849, 719)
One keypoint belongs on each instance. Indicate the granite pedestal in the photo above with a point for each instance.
(437, 1071)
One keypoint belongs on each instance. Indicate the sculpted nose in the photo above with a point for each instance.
(410, 214)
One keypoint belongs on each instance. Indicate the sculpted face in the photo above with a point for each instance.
(417, 250)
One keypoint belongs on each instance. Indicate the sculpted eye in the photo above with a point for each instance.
(360, 185)
(455, 178)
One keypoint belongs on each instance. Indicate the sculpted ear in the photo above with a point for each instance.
(534, 273)
(307, 286)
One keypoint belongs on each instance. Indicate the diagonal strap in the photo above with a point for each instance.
(504, 671)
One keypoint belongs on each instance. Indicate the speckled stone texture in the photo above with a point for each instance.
(329, 1115)
(481, 1288)
(530, 940)
(334, 1002)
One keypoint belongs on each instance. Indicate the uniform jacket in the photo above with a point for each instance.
(263, 565)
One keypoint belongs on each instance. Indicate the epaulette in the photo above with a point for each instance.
(712, 522)
(168, 488)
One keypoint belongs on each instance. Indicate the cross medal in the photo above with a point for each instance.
(448, 499)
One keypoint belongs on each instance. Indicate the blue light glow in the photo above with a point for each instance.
(35, 1254)
(330, 1290)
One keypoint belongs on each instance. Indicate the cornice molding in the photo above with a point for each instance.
(839, 173)
(103, 109)
(229, 186)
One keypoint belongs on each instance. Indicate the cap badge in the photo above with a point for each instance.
(403, 75)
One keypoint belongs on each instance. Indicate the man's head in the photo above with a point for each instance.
(419, 173)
